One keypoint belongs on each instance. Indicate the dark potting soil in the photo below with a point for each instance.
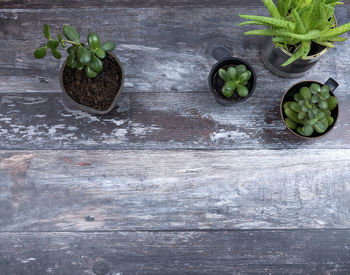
(97, 93)
(218, 84)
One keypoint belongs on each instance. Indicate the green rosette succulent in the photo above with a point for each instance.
(311, 110)
(80, 55)
(236, 79)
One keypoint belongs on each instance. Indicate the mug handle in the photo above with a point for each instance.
(332, 84)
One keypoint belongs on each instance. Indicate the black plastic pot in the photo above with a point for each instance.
(87, 108)
(273, 57)
(216, 83)
(289, 94)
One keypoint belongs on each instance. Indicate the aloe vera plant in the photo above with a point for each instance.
(80, 55)
(296, 24)
(311, 110)
(236, 78)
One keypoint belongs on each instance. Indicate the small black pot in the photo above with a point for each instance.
(87, 108)
(289, 94)
(216, 83)
(273, 57)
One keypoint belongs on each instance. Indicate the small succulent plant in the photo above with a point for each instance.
(80, 56)
(296, 24)
(311, 110)
(236, 78)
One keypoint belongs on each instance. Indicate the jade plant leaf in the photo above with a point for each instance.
(71, 34)
(96, 64)
(108, 46)
(47, 32)
(93, 40)
(84, 55)
(41, 52)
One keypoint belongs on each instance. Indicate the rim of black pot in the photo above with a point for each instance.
(214, 73)
(290, 92)
(90, 109)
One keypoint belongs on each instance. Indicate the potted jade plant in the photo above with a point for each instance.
(302, 31)
(91, 76)
(232, 80)
(310, 109)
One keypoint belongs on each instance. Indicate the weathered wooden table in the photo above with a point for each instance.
(170, 182)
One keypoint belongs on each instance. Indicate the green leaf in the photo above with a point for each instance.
(301, 115)
(100, 53)
(84, 55)
(240, 69)
(336, 31)
(271, 7)
(41, 52)
(227, 92)
(231, 85)
(297, 97)
(315, 99)
(242, 90)
(293, 115)
(223, 75)
(315, 34)
(308, 130)
(332, 103)
(47, 31)
(300, 28)
(252, 23)
(108, 46)
(302, 52)
(89, 72)
(56, 54)
(232, 73)
(245, 76)
(305, 93)
(273, 22)
(71, 34)
(96, 64)
(52, 44)
(295, 107)
(71, 63)
(93, 40)
(79, 66)
(330, 120)
(291, 124)
(323, 105)
(315, 88)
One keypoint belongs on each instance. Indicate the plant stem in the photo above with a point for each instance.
(71, 42)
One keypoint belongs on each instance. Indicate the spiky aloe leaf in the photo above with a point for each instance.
(252, 23)
(302, 52)
(271, 32)
(271, 7)
(283, 6)
(300, 28)
(336, 31)
(324, 43)
(337, 39)
(273, 22)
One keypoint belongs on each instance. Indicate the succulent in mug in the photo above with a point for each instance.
(236, 78)
(296, 24)
(311, 110)
(80, 56)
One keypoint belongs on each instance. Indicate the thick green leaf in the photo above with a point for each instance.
(230, 85)
(227, 92)
(93, 40)
(96, 64)
(223, 75)
(300, 28)
(336, 31)
(232, 73)
(84, 55)
(273, 22)
(271, 7)
(242, 90)
(47, 32)
(291, 124)
(252, 23)
(71, 61)
(89, 72)
(332, 103)
(302, 52)
(100, 53)
(56, 54)
(52, 44)
(71, 34)
(41, 52)
(308, 130)
(108, 46)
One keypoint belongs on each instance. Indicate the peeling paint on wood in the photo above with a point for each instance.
(162, 190)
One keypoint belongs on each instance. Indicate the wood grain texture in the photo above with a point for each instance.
(191, 120)
(318, 252)
(162, 49)
(45, 4)
(174, 190)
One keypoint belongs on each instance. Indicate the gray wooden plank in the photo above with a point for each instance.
(45, 4)
(177, 190)
(238, 252)
(191, 120)
(163, 49)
